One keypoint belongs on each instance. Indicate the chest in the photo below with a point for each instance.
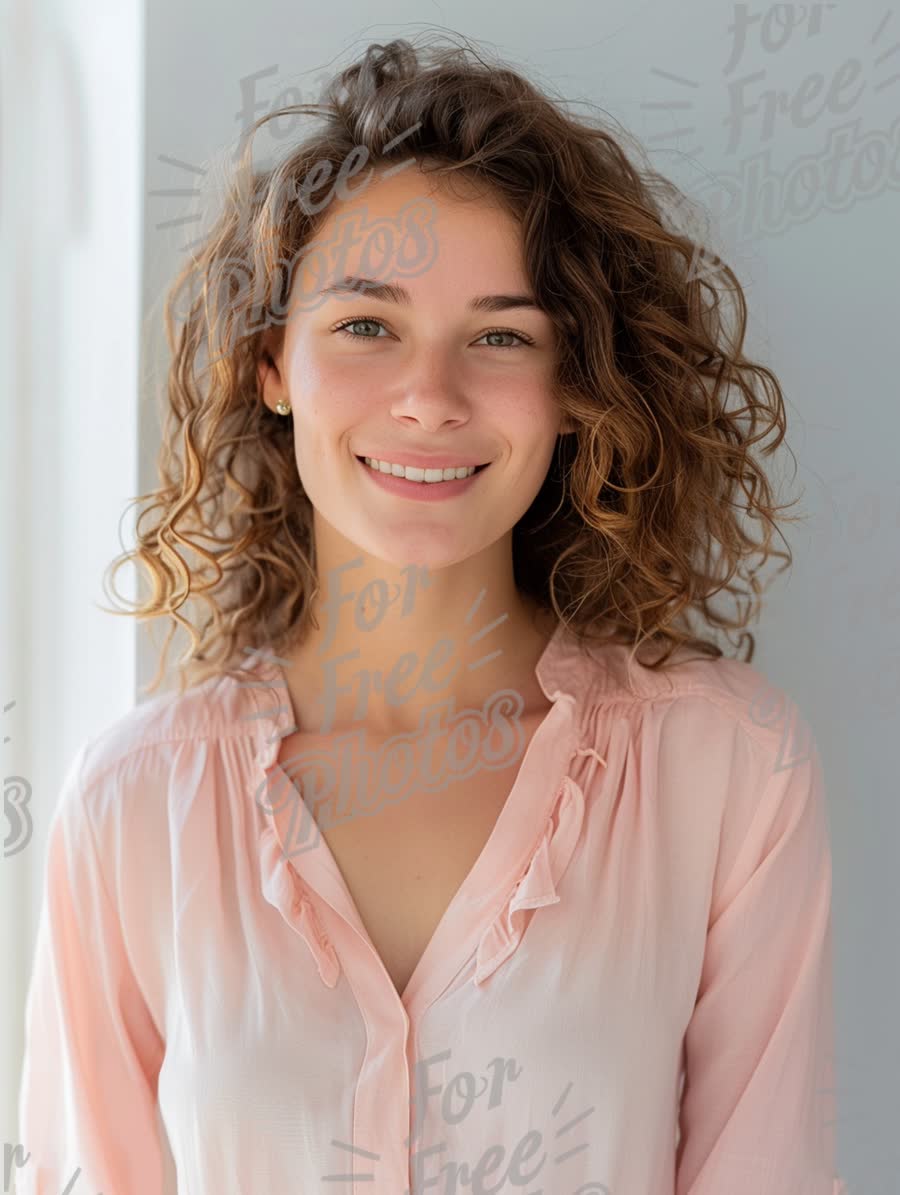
(404, 863)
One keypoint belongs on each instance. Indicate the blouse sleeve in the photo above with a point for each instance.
(87, 1100)
(758, 1108)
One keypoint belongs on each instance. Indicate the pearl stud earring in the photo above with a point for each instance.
(283, 407)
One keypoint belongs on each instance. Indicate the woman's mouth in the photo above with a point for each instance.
(420, 483)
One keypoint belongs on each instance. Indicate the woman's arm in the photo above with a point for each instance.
(757, 1109)
(92, 1052)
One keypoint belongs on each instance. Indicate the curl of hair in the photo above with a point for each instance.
(637, 525)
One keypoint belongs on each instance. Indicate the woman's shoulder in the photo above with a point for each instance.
(144, 743)
(689, 687)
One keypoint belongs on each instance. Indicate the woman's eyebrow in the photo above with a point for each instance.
(391, 293)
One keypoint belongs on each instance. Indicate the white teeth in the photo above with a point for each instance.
(429, 476)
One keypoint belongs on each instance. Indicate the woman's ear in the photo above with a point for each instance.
(269, 371)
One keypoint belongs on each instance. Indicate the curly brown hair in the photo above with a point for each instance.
(619, 541)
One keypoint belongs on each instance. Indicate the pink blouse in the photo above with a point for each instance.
(629, 994)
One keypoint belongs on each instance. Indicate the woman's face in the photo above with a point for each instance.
(425, 378)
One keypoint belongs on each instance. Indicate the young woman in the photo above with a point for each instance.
(459, 859)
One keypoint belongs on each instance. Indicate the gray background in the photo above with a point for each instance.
(822, 294)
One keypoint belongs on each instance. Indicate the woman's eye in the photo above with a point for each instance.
(500, 332)
(358, 321)
(343, 328)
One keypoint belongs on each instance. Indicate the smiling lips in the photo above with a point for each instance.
(415, 473)
(421, 483)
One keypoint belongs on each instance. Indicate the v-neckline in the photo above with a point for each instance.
(513, 838)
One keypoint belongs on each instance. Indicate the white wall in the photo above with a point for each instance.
(71, 75)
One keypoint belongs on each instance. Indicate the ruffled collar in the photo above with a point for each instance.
(546, 858)
(536, 888)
